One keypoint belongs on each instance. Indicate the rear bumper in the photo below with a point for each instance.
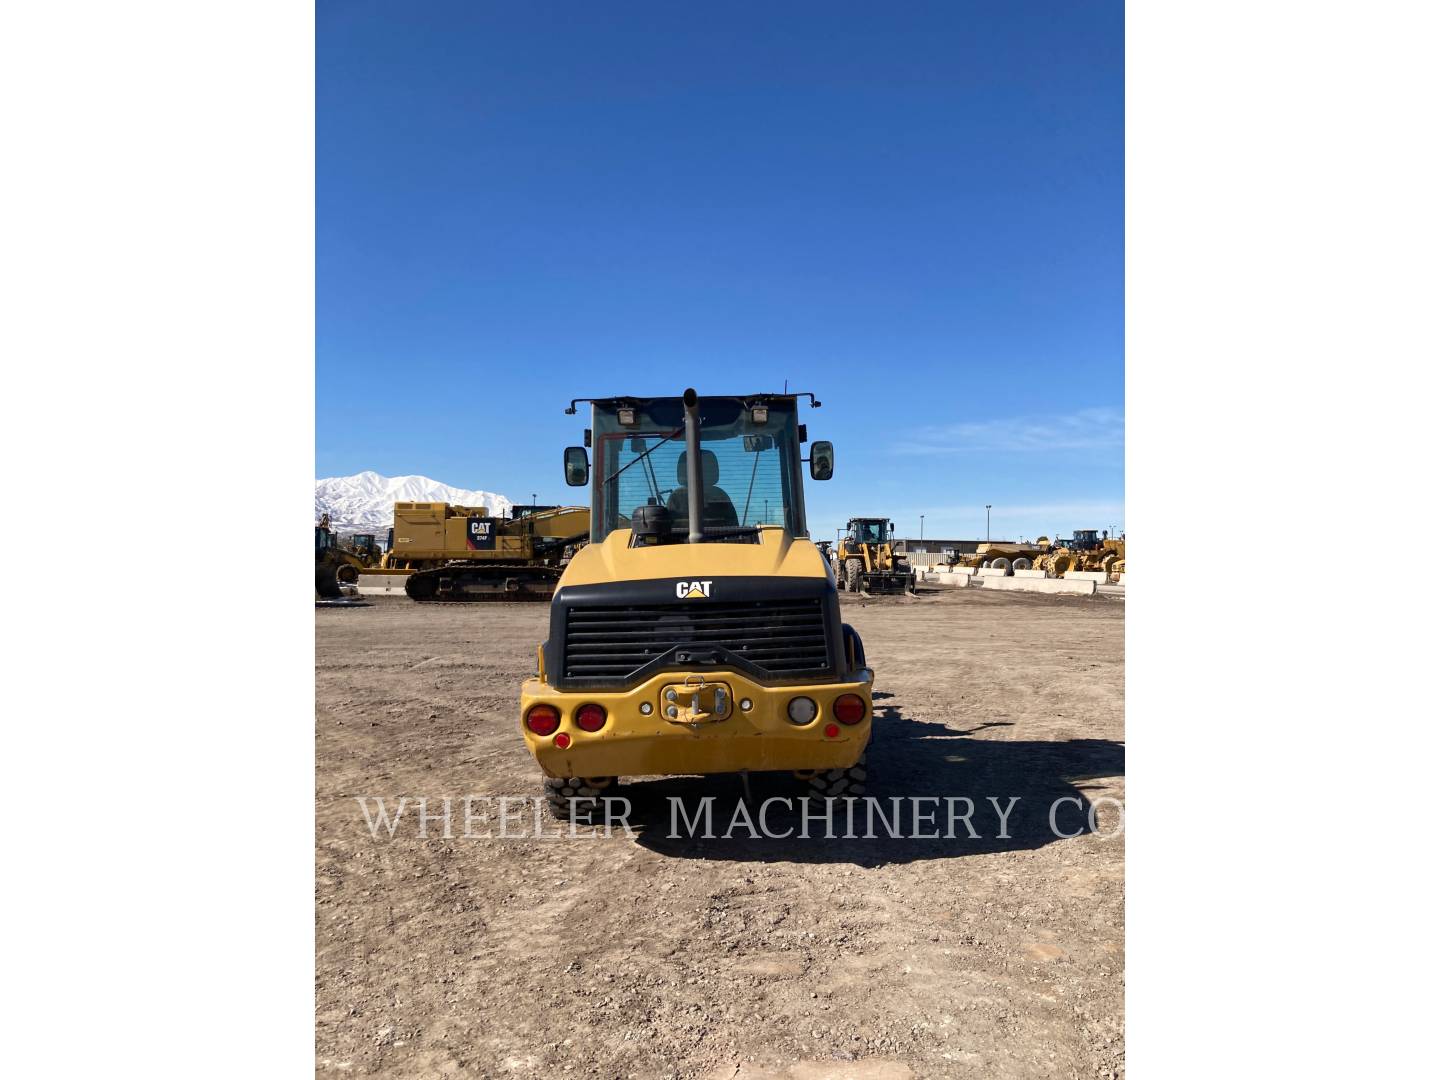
(761, 738)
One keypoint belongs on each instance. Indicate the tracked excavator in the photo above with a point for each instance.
(464, 554)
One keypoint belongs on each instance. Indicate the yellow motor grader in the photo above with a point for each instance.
(867, 560)
(700, 630)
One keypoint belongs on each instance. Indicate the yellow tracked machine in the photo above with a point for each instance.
(699, 632)
(458, 554)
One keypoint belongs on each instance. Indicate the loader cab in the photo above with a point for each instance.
(364, 544)
(1085, 540)
(869, 530)
(748, 471)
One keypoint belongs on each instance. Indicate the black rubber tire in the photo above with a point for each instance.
(838, 783)
(564, 793)
(326, 587)
(1022, 563)
(854, 647)
(347, 574)
(853, 568)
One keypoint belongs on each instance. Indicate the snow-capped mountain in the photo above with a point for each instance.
(365, 502)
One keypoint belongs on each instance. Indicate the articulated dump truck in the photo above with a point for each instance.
(699, 632)
(459, 554)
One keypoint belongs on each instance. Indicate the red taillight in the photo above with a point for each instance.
(590, 717)
(849, 708)
(562, 740)
(832, 730)
(543, 719)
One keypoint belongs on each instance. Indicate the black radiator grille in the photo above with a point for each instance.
(781, 637)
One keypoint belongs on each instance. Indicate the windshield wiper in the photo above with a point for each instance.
(642, 457)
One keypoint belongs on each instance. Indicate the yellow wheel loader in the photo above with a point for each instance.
(699, 631)
(365, 548)
(1086, 550)
(335, 564)
(867, 560)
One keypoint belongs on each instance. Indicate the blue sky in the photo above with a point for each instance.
(915, 211)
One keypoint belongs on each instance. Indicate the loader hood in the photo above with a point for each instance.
(776, 555)
(622, 615)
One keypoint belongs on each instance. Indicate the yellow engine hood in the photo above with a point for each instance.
(776, 555)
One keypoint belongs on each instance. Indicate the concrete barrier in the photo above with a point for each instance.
(1121, 580)
(954, 581)
(1100, 577)
(991, 572)
(382, 584)
(1030, 573)
(1046, 585)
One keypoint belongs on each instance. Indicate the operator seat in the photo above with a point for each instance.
(718, 511)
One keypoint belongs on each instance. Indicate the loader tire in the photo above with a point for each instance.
(580, 795)
(326, 586)
(852, 575)
(838, 783)
(854, 647)
(347, 575)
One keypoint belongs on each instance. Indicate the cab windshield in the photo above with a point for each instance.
(868, 532)
(749, 470)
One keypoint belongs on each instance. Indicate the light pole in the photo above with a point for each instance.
(922, 528)
(987, 523)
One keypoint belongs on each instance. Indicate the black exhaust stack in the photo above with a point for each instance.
(693, 471)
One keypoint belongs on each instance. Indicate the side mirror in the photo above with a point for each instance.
(577, 466)
(822, 460)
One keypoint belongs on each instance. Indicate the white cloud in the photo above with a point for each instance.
(1085, 429)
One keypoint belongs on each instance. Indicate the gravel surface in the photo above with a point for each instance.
(666, 955)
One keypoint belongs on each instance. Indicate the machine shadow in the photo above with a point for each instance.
(907, 760)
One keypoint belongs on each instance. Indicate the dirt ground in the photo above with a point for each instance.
(744, 958)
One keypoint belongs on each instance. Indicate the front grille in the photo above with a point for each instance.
(781, 638)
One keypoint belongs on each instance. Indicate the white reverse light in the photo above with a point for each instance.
(801, 710)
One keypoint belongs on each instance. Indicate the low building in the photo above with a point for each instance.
(910, 546)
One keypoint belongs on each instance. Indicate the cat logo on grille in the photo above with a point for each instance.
(692, 590)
